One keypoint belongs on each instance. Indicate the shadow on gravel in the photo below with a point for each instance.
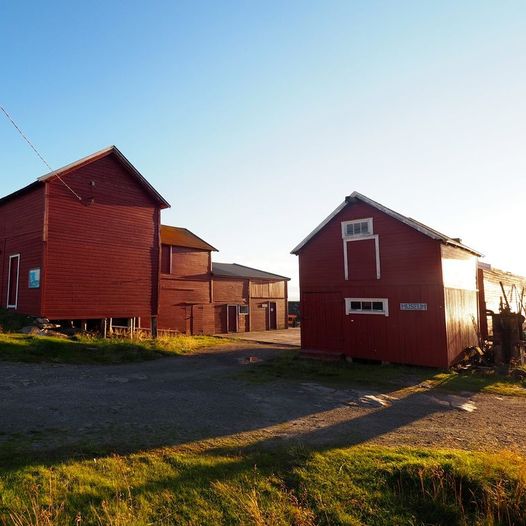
(196, 398)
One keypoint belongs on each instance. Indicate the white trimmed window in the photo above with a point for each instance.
(357, 228)
(367, 306)
(243, 309)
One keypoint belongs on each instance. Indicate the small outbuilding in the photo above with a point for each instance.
(255, 300)
(375, 284)
(496, 287)
(198, 296)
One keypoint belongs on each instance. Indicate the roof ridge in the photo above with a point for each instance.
(417, 225)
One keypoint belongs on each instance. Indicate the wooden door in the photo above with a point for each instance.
(321, 321)
(231, 318)
(272, 316)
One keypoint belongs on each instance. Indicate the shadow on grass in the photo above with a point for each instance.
(290, 366)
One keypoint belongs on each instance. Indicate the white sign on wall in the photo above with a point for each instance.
(413, 306)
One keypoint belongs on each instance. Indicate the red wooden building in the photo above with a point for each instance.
(378, 285)
(85, 242)
(201, 297)
(82, 242)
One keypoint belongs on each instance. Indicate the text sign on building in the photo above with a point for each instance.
(413, 306)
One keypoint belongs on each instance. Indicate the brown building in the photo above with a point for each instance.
(201, 297)
(255, 300)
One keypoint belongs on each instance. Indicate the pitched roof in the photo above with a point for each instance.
(423, 229)
(182, 237)
(122, 159)
(87, 160)
(234, 270)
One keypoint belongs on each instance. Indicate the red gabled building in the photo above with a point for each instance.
(82, 242)
(375, 284)
(85, 242)
(198, 296)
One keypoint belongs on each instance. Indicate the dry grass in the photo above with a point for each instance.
(377, 486)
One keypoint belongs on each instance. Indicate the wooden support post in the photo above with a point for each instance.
(84, 325)
(154, 326)
(131, 323)
(105, 328)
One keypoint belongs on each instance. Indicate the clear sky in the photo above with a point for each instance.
(255, 119)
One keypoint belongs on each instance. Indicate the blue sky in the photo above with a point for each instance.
(256, 119)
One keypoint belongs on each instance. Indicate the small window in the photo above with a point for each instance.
(357, 228)
(367, 306)
(243, 309)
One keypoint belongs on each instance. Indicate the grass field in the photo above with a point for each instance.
(231, 483)
(86, 349)
(290, 366)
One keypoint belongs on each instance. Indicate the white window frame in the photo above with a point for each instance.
(368, 220)
(346, 238)
(9, 281)
(384, 312)
(243, 313)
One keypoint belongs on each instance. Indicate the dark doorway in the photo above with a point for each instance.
(231, 318)
(272, 316)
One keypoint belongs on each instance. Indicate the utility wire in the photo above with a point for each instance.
(38, 153)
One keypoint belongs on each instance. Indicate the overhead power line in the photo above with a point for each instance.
(38, 153)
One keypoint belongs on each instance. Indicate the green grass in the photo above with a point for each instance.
(290, 366)
(90, 350)
(232, 484)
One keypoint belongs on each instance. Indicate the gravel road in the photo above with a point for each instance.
(170, 401)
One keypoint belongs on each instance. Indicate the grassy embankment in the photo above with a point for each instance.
(89, 349)
(290, 366)
(237, 484)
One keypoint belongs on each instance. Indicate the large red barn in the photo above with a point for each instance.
(375, 284)
(83, 242)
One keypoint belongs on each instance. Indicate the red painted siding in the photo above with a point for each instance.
(21, 232)
(361, 258)
(410, 272)
(459, 275)
(187, 285)
(102, 254)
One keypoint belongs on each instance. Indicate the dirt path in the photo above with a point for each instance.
(173, 401)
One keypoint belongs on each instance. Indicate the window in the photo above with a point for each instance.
(357, 228)
(12, 281)
(367, 306)
(243, 309)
